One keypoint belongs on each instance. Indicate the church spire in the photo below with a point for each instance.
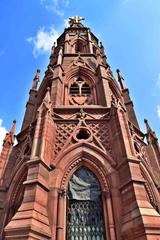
(121, 80)
(83, 127)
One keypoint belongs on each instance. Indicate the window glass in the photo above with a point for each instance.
(84, 207)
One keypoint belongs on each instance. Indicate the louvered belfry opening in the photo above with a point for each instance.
(84, 207)
(80, 87)
(74, 89)
(86, 89)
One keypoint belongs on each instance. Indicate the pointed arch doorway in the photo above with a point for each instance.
(85, 219)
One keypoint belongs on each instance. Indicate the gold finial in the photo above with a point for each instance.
(75, 19)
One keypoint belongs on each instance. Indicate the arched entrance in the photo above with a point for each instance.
(100, 166)
(84, 207)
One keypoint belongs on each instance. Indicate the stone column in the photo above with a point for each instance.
(110, 219)
(53, 206)
(104, 91)
(90, 42)
(66, 43)
(61, 215)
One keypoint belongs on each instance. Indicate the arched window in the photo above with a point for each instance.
(85, 209)
(79, 46)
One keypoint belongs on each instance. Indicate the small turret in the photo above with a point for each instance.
(36, 80)
(127, 100)
(30, 106)
(151, 135)
(53, 49)
(7, 147)
(121, 80)
(9, 138)
(153, 149)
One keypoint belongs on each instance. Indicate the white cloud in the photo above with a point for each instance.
(158, 111)
(43, 41)
(3, 132)
(58, 6)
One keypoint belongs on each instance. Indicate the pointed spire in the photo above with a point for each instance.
(36, 80)
(121, 80)
(9, 138)
(151, 135)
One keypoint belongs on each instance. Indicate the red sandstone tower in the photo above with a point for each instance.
(82, 169)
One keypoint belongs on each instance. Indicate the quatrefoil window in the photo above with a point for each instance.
(83, 134)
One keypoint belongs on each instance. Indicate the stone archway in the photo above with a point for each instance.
(85, 213)
(63, 172)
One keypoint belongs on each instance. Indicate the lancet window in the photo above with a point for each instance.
(85, 209)
(79, 46)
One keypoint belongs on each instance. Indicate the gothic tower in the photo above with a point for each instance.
(82, 168)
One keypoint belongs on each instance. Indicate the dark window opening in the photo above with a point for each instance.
(79, 47)
(83, 134)
(86, 89)
(74, 89)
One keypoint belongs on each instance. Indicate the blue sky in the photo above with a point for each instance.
(128, 29)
